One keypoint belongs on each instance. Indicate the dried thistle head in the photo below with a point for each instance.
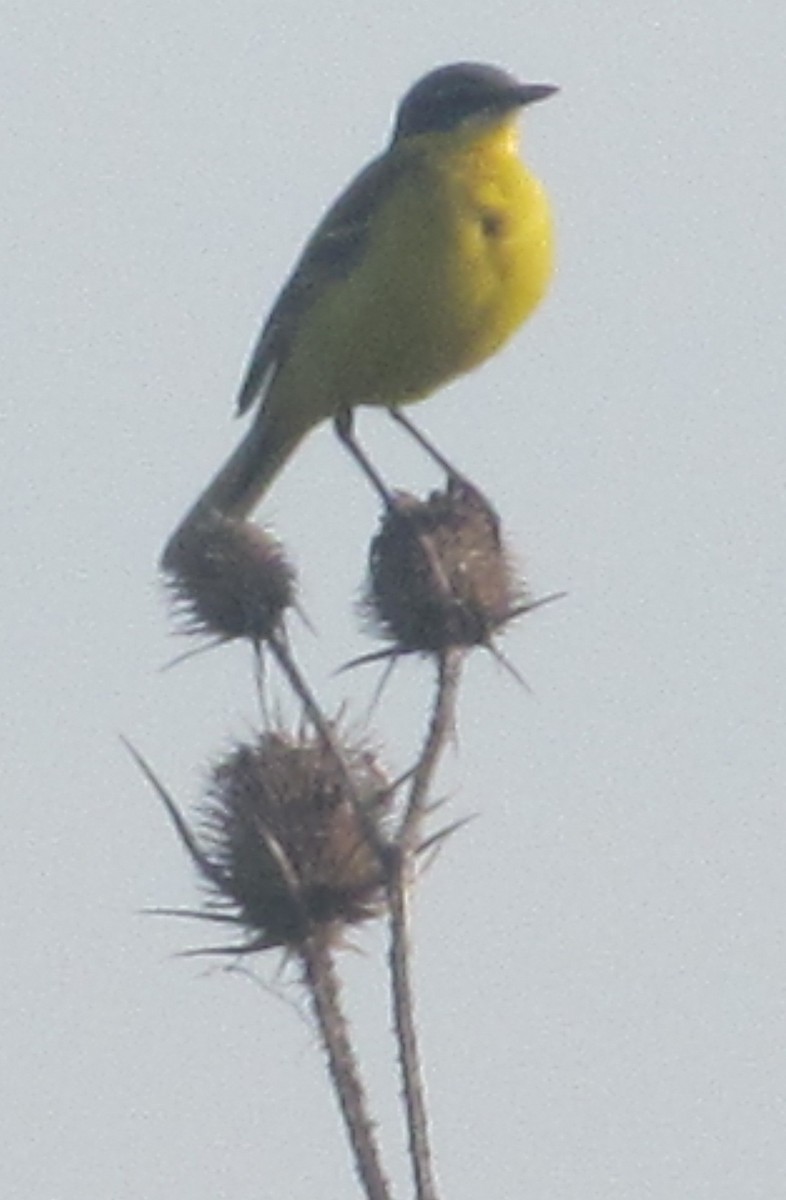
(282, 847)
(229, 578)
(439, 574)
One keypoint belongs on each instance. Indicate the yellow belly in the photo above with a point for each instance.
(456, 261)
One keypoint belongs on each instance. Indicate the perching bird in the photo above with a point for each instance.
(424, 267)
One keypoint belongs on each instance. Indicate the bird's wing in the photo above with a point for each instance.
(334, 249)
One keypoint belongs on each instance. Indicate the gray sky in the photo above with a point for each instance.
(601, 954)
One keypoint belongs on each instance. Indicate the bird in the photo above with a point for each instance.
(423, 268)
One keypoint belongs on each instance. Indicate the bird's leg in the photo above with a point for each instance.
(343, 425)
(457, 482)
(430, 448)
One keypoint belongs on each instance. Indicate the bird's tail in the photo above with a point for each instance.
(244, 478)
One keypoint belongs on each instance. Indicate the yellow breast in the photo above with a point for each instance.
(501, 258)
(467, 249)
(457, 256)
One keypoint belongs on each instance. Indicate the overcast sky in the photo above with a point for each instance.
(601, 954)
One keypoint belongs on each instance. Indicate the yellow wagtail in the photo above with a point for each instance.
(424, 267)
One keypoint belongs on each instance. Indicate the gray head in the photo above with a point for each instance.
(449, 96)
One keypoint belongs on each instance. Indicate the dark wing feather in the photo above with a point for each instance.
(334, 249)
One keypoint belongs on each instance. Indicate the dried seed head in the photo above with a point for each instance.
(439, 573)
(230, 579)
(285, 853)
